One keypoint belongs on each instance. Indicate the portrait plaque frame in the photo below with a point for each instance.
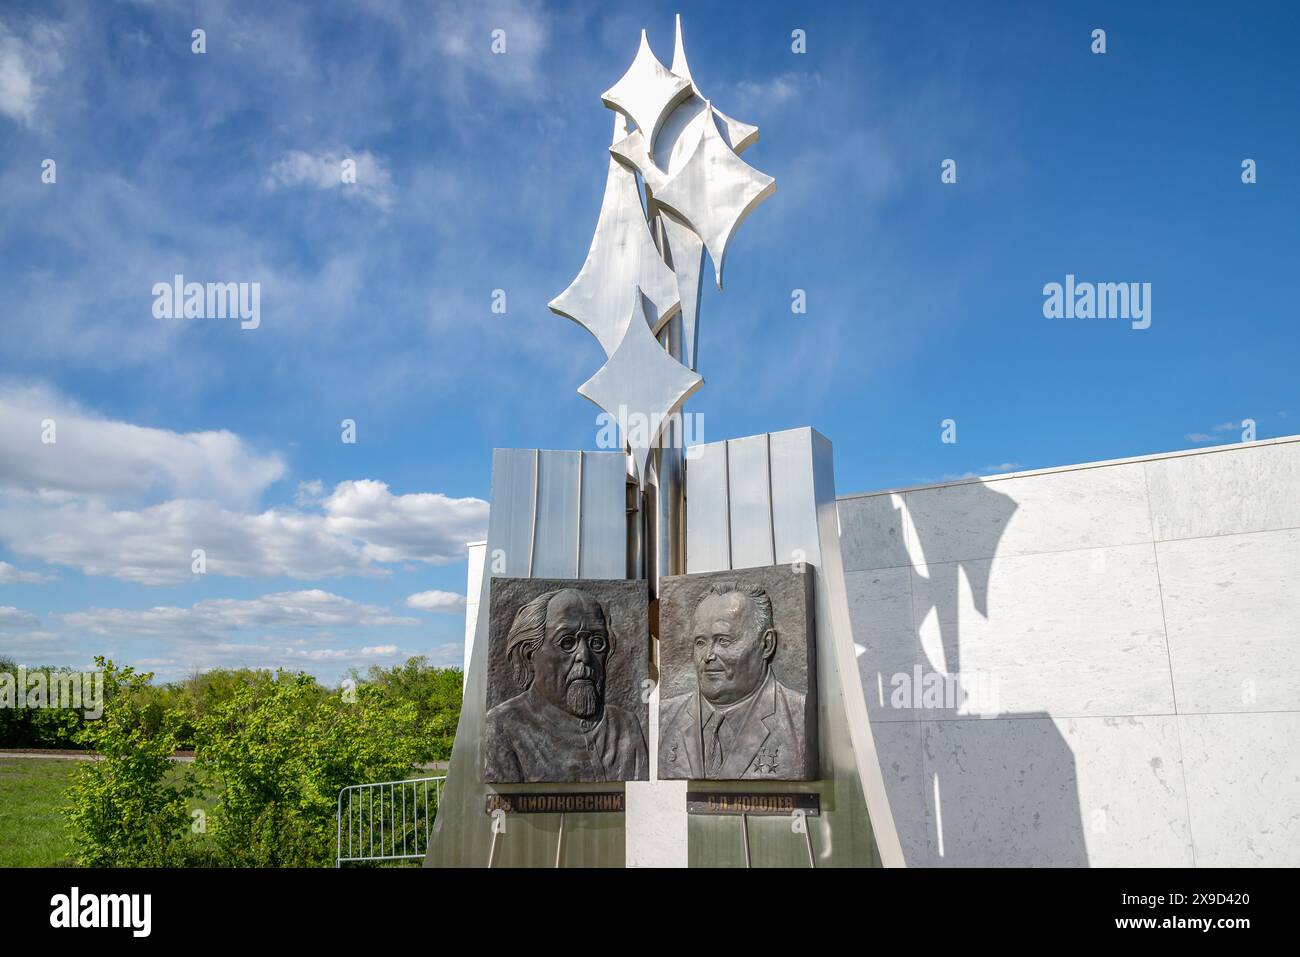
(772, 734)
(533, 733)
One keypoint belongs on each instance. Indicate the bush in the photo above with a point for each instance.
(123, 811)
(272, 751)
(280, 756)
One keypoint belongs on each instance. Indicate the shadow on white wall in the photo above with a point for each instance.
(967, 786)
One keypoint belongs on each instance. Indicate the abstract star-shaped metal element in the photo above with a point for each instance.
(714, 191)
(678, 134)
(739, 136)
(682, 128)
(622, 259)
(676, 141)
(647, 92)
(640, 386)
(685, 252)
(631, 151)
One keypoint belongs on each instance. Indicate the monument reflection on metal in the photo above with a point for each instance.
(738, 672)
(566, 662)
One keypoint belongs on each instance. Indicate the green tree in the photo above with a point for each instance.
(435, 694)
(40, 727)
(124, 810)
(201, 692)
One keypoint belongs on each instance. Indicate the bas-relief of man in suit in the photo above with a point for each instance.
(742, 722)
(560, 728)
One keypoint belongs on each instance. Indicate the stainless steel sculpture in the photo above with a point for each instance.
(638, 292)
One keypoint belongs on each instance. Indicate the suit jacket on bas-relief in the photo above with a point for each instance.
(769, 745)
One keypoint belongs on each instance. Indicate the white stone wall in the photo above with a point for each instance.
(1130, 631)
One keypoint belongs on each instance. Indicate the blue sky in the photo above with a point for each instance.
(481, 171)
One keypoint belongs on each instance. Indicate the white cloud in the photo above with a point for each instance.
(342, 654)
(93, 455)
(1215, 432)
(324, 170)
(212, 618)
(998, 469)
(76, 502)
(17, 89)
(362, 526)
(155, 545)
(16, 618)
(435, 600)
(25, 65)
(423, 526)
(309, 493)
(451, 654)
(10, 575)
(325, 661)
(760, 97)
(462, 35)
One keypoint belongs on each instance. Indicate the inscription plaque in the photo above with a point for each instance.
(701, 802)
(539, 803)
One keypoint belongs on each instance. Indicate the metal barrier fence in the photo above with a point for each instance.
(387, 820)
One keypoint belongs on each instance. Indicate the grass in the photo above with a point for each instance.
(32, 833)
(32, 798)
(33, 794)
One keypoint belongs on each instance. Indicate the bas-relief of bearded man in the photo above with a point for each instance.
(560, 727)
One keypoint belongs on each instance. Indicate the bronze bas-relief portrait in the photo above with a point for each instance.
(562, 726)
(738, 719)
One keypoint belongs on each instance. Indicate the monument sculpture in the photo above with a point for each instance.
(601, 566)
(559, 717)
(737, 718)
